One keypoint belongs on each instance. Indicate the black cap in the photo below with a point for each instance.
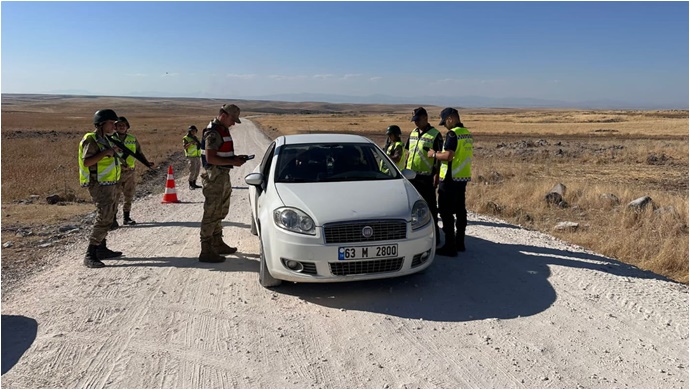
(192, 127)
(419, 111)
(445, 114)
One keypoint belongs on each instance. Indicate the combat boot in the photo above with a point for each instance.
(208, 255)
(104, 253)
(114, 225)
(448, 248)
(192, 186)
(460, 242)
(91, 259)
(195, 185)
(127, 220)
(222, 248)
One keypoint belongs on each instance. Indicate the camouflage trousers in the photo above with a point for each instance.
(126, 187)
(217, 191)
(194, 167)
(104, 198)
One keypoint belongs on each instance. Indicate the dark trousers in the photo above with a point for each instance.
(425, 186)
(451, 204)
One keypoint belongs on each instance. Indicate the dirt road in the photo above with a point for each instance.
(519, 309)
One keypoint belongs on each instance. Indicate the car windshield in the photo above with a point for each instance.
(309, 163)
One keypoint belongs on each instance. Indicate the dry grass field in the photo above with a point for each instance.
(519, 156)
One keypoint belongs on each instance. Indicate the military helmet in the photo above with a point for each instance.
(393, 129)
(123, 119)
(104, 115)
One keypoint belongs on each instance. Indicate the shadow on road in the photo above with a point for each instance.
(490, 280)
(237, 262)
(18, 333)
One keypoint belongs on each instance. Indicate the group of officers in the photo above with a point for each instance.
(445, 164)
(107, 171)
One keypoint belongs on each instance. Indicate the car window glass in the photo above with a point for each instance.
(308, 163)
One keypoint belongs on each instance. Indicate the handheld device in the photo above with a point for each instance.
(251, 156)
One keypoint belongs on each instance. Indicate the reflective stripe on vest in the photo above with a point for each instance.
(107, 168)
(131, 144)
(403, 156)
(192, 150)
(418, 160)
(462, 159)
(227, 149)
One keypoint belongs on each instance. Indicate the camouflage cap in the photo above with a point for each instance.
(233, 110)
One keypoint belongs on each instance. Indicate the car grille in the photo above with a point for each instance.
(344, 268)
(309, 268)
(417, 260)
(345, 232)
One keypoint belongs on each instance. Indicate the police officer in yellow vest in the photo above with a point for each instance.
(425, 138)
(456, 164)
(192, 150)
(394, 147)
(99, 171)
(127, 184)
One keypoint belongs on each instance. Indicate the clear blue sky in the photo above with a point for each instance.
(568, 51)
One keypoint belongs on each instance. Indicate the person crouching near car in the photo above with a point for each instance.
(99, 171)
(192, 150)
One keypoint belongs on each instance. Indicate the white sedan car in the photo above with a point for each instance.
(334, 208)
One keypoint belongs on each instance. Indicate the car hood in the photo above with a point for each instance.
(341, 201)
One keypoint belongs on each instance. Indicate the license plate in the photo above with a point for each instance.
(367, 252)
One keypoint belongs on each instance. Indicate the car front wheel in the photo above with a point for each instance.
(265, 278)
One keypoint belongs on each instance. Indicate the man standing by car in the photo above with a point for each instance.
(99, 171)
(192, 150)
(219, 152)
(422, 139)
(456, 164)
(127, 184)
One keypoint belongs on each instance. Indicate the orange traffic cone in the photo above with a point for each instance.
(170, 195)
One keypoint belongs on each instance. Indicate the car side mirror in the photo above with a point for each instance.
(254, 179)
(409, 174)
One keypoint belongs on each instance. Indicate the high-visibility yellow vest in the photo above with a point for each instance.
(462, 159)
(131, 144)
(403, 156)
(192, 150)
(107, 168)
(417, 159)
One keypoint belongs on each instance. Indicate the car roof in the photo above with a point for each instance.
(316, 138)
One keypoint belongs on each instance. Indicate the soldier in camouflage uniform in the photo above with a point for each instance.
(219, 158)
(99, 171)
(127, 185)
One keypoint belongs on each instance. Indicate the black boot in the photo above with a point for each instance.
(128, 220)
(192, 186)
(460, 242)
(104, 253)
(114, 225)
(91, 259)
(448, 248)
(197, 186)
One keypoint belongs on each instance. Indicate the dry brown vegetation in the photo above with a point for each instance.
(519, 156)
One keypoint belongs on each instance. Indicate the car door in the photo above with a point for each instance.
(264, 189)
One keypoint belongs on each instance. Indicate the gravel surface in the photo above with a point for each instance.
(519, 309)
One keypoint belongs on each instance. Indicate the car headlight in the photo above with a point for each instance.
(420, 214)
(294, 220)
